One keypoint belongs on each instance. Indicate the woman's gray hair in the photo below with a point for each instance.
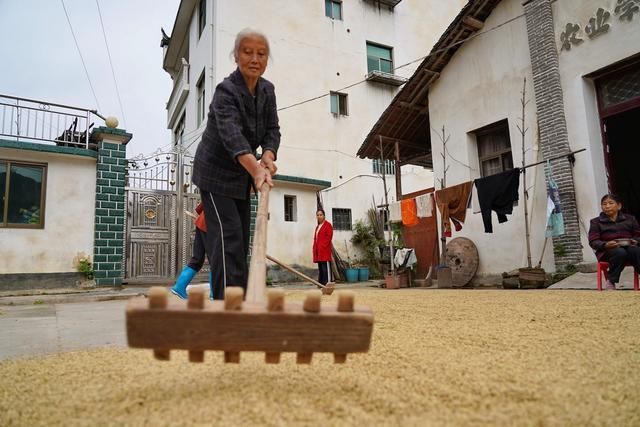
(249, 32)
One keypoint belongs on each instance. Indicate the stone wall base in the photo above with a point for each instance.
(26, 281)
(279, 275)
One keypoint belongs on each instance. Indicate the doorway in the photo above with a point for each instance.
(619, 106)
(623, 139)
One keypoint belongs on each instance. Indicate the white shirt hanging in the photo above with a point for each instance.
(424, 205)
(395, 212)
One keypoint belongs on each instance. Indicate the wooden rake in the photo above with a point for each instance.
(264, 322)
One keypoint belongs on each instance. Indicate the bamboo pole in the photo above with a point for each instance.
(523, 131)
(443, 185)
(296, 272)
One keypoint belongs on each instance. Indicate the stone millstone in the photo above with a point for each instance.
(462, 258)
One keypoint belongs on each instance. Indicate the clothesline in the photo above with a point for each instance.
(384, 205)
(553, 158)
(455, 200)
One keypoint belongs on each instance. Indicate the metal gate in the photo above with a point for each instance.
(158, 234)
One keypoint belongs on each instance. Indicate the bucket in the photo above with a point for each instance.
(392, 281)
(351, 274)
(363, 274)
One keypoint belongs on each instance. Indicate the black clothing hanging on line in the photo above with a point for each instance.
(497, 193)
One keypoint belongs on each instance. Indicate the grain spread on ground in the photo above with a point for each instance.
(438, 357)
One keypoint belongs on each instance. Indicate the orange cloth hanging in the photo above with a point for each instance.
(409, 212)
(452, 203)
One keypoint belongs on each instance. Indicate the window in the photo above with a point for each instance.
(339, 103)
(341, 219)
(333, 9)
(202, 16)
(383, 214)
(388, 167)
(494, 148)
(22, 189)
(178, 132)
(201, 99)
(290, 209)
(379, 58)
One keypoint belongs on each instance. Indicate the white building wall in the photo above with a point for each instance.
(312, 55)
(481, 85)
(291, 241)
(69, 217)
(581, 109)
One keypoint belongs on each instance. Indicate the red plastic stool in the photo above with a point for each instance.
(603, 269)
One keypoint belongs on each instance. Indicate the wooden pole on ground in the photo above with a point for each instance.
(328, 286)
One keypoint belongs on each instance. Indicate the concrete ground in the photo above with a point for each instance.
(51, 321)
(590, 281)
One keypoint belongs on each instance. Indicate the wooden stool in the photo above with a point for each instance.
(603, 270)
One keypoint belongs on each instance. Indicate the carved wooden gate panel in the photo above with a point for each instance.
(151, 235)
(158, 234)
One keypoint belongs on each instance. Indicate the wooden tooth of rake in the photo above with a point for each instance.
(265, 322)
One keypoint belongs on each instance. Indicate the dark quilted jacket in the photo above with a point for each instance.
(602, 230)
(237, 123)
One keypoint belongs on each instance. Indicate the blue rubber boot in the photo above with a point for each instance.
(180, 288)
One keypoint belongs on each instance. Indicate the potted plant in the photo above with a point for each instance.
(350, 273)
(83, 264)
(364, 237)
(363, 270)
(392, 280)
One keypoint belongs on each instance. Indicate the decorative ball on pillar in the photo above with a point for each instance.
(111, 122)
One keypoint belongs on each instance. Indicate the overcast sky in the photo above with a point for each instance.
(39, 60)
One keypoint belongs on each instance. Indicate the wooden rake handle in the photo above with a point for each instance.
(296, 272)
(256, 286)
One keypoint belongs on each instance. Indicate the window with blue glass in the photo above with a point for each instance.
(22, 194)
(333, 9)
(379, 58)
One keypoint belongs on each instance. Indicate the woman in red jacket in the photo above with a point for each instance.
(322, 247)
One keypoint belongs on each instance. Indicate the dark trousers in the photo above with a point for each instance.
(199, 252)
(227, 240)
(324, 272)
(618, 257)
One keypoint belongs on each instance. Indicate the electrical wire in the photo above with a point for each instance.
(80, 53)
(113, 73)
(442, 49)
(432, 53)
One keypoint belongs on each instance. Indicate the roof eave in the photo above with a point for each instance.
(178, 35)
(411, 102)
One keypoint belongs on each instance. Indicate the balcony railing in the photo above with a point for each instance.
(178, 94)
(23, 119)
(389, 3)
(386, 78)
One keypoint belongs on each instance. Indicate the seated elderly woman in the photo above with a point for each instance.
(615, 237)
